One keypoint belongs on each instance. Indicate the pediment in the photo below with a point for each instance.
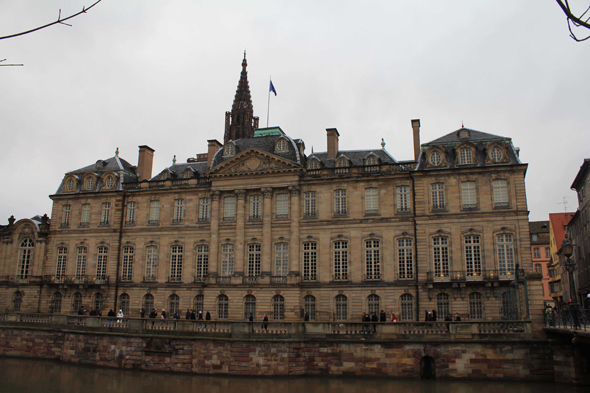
(253, 161)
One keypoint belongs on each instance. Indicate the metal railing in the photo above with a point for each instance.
(21, 279)
(77, 279)
(575, 319)
(473, 275)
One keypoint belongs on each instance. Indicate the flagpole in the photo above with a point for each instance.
(268, 107)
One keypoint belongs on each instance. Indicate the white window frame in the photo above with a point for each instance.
(204, 209)
(371, 200)
(402, 194)
(154, 212)
(131, 213)
(405, 259)
(229, 208)
(281, 259)
(340, 202)
(468, 195)
(105, 213)
(438, 196)
(282, 205)
(309, 204)
(178, 210)
(255, 207)
(500, 192)
(227, 260)
(472, 255)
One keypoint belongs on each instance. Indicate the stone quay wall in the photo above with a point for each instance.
(537, 360)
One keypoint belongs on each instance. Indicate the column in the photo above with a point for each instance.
(240, 219)
(266, 232)
(294, 267)
(214, 242)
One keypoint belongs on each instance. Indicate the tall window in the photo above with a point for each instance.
(536, 253)
(105, 213)
(249, 307)
(173, 304)
(151, 263)
(341, 305)
(98, 301)
(222, 307)
(109, 182)
(81, 262)
(227, 260)
(475, 306)
(309, 204)
(255, 207)
(438, 195)
(468, 199)
(371, 200)
(77, 303)
(154, 212)
(465, 156)
(131, 213)
(148, 303)
(547, 252)
(278, 308)
(229, 208)
(281, 259)
(374, 304)
(65, 216)
(85, 215)
(310, 261)
(407, 304)
(178, 210)
(62, 258)
(101, 263)
(25, 253)
(282, 205)
(199, 303)
(405, 259)
(89, 183)
(55, 306)
(440, 255)
(472, 250)
(17, 301)
(505, 249)
(253, 260)
(204, 209)
(127, 271)
(340, 202)
(402, 194)
(500, 193)
(442, 305)
(176, 264)
(202, 261)
(341, 261)
(124, 304)
(309, 306)
(372, 259)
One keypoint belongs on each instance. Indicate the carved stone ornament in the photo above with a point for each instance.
(267, 192)
(26, 231)
(215, 195)
(240, 194)
(295, 190)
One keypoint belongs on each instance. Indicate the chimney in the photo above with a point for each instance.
(145, 162)
(416, 129)
(332, 142)
(214, 146)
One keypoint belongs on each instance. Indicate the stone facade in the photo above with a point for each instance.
(257, 225)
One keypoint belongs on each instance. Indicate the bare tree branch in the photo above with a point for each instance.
(577, 21)
(59, 20)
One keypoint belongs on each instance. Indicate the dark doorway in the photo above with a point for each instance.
(427, 368)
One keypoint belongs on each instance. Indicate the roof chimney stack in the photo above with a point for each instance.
(145, 162)
(214, 146)
(332, 142)
(416, 130)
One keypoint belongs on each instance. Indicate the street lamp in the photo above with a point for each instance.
(567, 248)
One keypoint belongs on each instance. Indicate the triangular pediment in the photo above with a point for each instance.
(253, 161)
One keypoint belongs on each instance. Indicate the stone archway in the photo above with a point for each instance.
(427, 368)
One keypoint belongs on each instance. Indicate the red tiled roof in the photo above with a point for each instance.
(558, 223)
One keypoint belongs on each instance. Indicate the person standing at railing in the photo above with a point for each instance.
(207, 316)
(188, 314)
(193, 315)
(163, 315)
(265, 323)
(120, 315)
(110, 314)
(142, 313)
(393, 317)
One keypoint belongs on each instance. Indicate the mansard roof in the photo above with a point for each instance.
(264, 143)
(176, 171)
(356, 157)
(473, 136)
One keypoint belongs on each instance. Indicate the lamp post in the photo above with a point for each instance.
(569, 265)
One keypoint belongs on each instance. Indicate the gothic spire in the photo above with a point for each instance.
(240, 122)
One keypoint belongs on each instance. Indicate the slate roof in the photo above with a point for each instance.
(177, 171)
(265, 144)
(356, 157)
(474, 136)
(539, 227)
(581, 175)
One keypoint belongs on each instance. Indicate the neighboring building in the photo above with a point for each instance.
(557, 280)
(579, 231)
(541, 252)
(257, 225)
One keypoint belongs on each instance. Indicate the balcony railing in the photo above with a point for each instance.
(199, 279)
(21, 279)
(151, 278)
(174, 279)
(88, 280)
(250, 279)
(340, 277)
(474, 275)
(278, 279)
(372, 277)
(310, 277)
(224, 280)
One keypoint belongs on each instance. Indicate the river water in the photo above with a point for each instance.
(32, 376)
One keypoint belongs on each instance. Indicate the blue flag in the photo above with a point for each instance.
(272, 88)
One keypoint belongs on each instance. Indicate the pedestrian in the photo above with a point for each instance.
(193, 315)
(457, 317)
(98, 312)
(382, 316)
(366, 318)
(92, 312)
(188, 314)
(374, 319)
(207, 316)
(142, 312)
(120, 316)
(251, 318)
(200, 315)
(163, 315)
(264, 322)
(426, 316)
(176, 315)
(434, 315)
(110, 314)
(306, 316)
(393, 317)
(448, 318)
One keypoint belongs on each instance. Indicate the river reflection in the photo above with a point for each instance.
(31, 376)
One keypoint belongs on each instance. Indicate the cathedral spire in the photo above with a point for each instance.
(241, 122)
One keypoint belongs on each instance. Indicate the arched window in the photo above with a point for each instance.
(148, 303)
(281, 145)
(17, 301)
(341, 308)
(55, 306)
(475, 306)
(465, 156)
(373, 304)
(77, 302)
(199, 303)
(407, 303)
(24, 258)
(309, 306)
(249, 306)
(124, 304)
(109, 182)
(222, 307)
(229, 150)
(98, 301)
(278, 308)
(70, 185)
(173, 304)
(442, 305)
(89, 183)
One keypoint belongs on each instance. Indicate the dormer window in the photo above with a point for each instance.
(435, 158)
(465, 156)
(109, 182)
(281, 146)
(70, 185)
(313, 164)
(89, 186)
(342, 165)
(371, 163)
(496, 154)
(229, 150)
(187, 174)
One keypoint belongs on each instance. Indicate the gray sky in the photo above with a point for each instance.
(163, 73)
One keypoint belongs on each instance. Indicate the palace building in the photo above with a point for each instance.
(258, 225)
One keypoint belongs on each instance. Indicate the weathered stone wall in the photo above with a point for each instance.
(525, 360)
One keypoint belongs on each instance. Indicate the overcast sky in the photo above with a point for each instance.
(163, 73)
